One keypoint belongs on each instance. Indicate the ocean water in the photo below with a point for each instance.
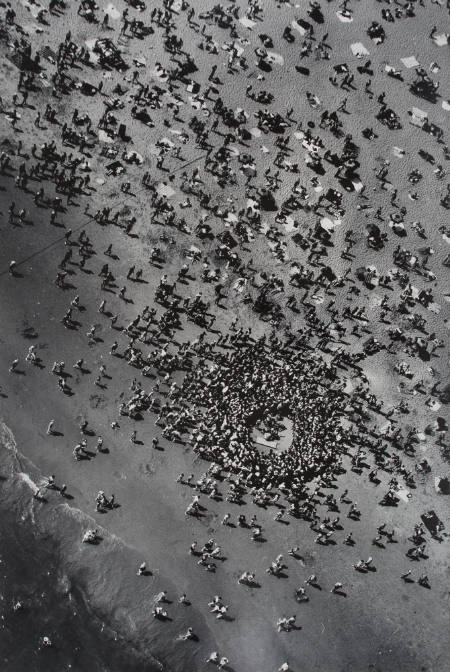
(30, 573)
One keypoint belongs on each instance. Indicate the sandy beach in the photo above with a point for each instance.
(380, 623)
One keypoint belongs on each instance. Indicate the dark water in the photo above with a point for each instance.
(29, 572)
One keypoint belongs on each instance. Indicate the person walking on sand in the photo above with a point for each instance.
(14, 365)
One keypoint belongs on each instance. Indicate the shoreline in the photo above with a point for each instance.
(51, 524)
(39, 600)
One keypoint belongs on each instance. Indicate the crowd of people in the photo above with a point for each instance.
(274, 211)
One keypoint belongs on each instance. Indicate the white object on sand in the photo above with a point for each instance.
(398, 152)
(410, 62)
(165, 190)
(113, 13)
(247, 23)
(104, 137)
(289, 224)
(441, 40)
(403, 494)
(275, 58)
(90, 44)
(359, 50)
(330, 224)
